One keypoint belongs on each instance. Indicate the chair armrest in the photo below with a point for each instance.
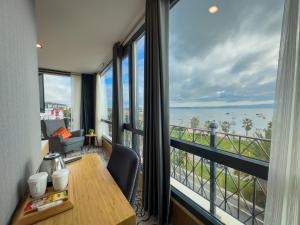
(55, 143)
(77, 133)
(57, 138)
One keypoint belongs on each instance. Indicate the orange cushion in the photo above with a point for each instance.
(63, 132)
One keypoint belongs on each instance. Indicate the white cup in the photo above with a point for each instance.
(60, 179)
(37, 184)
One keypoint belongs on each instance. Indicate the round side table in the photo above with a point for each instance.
(89, 138)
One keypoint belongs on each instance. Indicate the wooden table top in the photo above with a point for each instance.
(97, 198)
(91, 135)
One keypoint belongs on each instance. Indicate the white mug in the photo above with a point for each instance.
(37, 184)
(60, 179)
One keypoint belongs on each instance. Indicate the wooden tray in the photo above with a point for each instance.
(25, 219)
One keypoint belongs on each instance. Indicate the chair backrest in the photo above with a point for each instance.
(123, 165)
(50, 126)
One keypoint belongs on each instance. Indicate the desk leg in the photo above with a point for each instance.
(96, 141)
(89, 141)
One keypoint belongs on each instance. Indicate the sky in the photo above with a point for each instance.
(139, 52)
(57, 89)
(106, 85)
(225, 59)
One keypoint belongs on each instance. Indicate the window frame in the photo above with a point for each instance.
(41, 75)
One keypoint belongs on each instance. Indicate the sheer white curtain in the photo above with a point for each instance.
(75, 101)
(98, 109)
(283, 197)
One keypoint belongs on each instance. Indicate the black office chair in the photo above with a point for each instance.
(123, 165)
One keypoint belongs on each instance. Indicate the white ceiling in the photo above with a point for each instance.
(78, 35)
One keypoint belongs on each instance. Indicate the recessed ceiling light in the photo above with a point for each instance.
(39, 45)
(213, 9)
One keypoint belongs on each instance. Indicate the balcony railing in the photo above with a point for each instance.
(253, 147)
(229, 171)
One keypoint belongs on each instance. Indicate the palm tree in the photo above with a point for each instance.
(225, 126)
(206, 124)
(263, 144)
(247, 124)
(195, 122)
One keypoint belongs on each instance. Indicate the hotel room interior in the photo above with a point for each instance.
(181, 112)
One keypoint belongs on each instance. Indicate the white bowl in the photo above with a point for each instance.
(60, 179)
(37, 184)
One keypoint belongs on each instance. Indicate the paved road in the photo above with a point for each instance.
(232, 202)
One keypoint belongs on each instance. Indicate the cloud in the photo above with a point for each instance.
(227, 57)
(57, 89)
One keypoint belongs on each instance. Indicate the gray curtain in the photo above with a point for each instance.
(88, 102)
(117, 116)
(156, 175)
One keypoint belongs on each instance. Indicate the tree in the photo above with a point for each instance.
(67, 112)
(225, 126)
(247, 124)
(206, 124)
(268, 131)
(195, 122)
(181, 155)
(263, 147)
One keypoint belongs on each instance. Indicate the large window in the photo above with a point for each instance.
(106, 102)
(57, 97)
(223, 66)
(139, 63)
(133, 93)
(125, 87)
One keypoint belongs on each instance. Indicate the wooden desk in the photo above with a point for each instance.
(97, 198)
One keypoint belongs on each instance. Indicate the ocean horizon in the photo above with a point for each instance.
(260, 115)
(226, 107)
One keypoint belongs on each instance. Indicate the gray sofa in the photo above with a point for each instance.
(58, 144)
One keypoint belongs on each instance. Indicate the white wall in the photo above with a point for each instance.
(19, 102)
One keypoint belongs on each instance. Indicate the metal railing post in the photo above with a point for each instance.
(202, 186)
(238, 192)
(254, 201)
(213, 141)
(225, 198)
(186, 168)
(193, 172)
(193, 135)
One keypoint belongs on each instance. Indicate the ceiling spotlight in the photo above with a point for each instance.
(39, 45)
(213, 9)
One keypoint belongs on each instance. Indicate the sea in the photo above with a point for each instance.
(260, 115)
